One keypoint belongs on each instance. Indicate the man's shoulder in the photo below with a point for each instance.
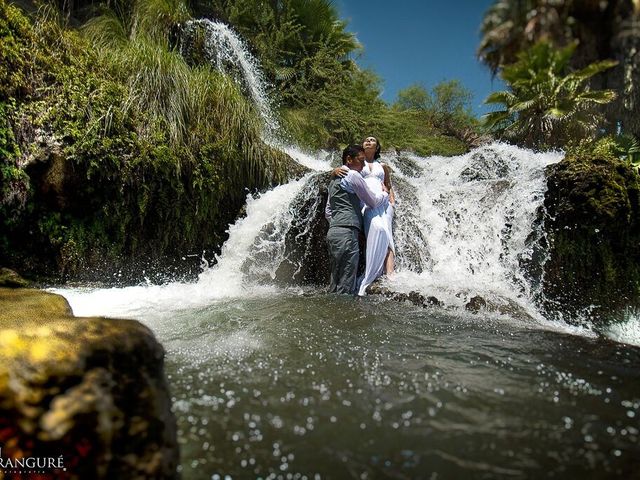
(352, 174)
(335, 184)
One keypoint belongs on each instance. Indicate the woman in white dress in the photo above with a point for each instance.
(377, 221)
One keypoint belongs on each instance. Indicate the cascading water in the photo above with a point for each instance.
(225, 50)
(477, 213)
(229, 54)
(273, 380)
(468, 230)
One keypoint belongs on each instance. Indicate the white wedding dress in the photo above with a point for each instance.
(377, 228)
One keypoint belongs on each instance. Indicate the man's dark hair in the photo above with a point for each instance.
(351, 151)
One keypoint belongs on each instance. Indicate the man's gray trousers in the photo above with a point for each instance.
(344, 253)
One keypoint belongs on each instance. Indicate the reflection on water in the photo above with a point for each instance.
(325, 387)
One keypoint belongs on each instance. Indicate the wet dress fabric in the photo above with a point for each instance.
(377, 228)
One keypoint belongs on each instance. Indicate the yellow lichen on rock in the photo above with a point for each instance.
(90, 389)
(22, 306)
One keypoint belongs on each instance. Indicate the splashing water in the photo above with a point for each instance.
(477, 213)
(222, 281)
(625, 331)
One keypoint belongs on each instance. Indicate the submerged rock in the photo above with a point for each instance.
(414, 297)
(475, 304)
(91, 390)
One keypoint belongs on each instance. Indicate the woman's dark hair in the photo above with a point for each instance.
(378, 147)
(351, 151)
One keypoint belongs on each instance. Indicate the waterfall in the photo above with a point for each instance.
(229, 54)
(258, 237)
(465, 226)
(472, 220)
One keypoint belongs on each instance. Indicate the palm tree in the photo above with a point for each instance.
(547, 105)
(505, 32)
(604, 29)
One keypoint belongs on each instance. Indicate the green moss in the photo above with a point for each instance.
(15, 35)
(106, 180)
(593, 204)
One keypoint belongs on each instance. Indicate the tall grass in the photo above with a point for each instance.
(196, 105)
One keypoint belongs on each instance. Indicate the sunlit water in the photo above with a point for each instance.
(296, 385)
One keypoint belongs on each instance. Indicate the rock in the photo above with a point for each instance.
(90, 389)
(486, 164)
(407, 165)
(593, 231)
(305, 258)
(475, 304)
(10, 279)
(24, 305)
(414, 297)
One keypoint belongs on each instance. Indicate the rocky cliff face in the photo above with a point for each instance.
(593, 228)
(88, 391)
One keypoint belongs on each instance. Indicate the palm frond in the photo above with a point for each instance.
(592, 69)
(505, 97)
(597, 96)
(496, 119)
(524, 104)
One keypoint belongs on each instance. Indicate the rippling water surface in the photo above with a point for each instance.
(319, 386)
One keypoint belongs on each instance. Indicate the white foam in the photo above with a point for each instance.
(476, 212)
(222, 281)
(627, 331)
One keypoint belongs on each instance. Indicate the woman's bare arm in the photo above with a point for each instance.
(387, 183)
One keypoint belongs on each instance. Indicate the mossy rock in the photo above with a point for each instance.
(599, 192)
(90, 389)
(593, 227)
(10, 279)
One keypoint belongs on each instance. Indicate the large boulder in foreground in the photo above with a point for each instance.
(89, 393)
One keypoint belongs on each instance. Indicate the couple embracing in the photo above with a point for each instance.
(360, 199)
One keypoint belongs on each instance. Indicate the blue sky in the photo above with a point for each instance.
(412, 41)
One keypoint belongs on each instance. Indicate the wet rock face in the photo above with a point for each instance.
(594, 236)
(475, 304)
(486, 166)
(413, 297)
(306, 255)
(91, 390)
